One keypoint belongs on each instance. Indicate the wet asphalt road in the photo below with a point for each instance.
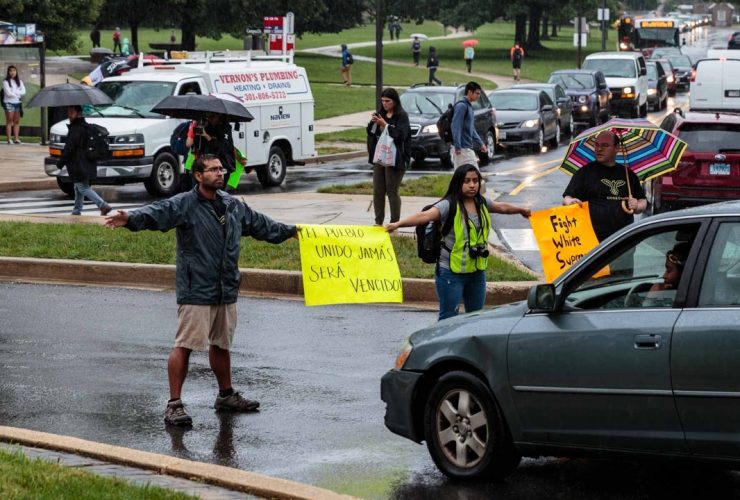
(90, 362)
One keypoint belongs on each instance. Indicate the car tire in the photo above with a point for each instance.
(164, 179)
(273, 174)
(419, 159)
(635, 112)
(594, 120)
(571, 126)
(540, 141)
(491, 145)
(67, 187)
(644, 110)
(555, 141)
(664, 102)
(446, 160)
(461, 412)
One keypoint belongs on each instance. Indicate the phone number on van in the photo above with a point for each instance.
(261, 96)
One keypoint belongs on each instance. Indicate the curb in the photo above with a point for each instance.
(254, 281)
(233, 479)
(350, 155)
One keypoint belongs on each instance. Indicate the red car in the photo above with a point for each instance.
(709, 170)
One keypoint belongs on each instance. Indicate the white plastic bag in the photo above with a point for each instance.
(385, 150)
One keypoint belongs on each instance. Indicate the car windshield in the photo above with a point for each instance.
(710, 137)
(652, 72)
(612, 68)
(514, 101)
(425, 102)
(132, 99)
(680, 61)
(573, 81)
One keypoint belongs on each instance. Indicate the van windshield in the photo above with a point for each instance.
(133, 99)
(614, 68)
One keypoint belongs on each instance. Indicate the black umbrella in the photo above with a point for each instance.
(195, 107)
(68, 94)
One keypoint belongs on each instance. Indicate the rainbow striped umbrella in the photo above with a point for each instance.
(646, 149)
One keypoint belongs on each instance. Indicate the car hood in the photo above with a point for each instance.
(424, 119)
(579, 92)
(115, 126)
(507, 116)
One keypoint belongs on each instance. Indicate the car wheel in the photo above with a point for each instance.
(446, 160)
(419, 159)
(571, 126)
(163, 180)
(643, 110)
(491, 145)
(555, 141)
(635, 113)
(465, 433)
(664, 102)
(540, 141)
(67, 187)
(273, 174)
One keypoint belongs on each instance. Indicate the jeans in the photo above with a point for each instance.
(387, 181)
(82, 190)
(432, 78)
(452, 288)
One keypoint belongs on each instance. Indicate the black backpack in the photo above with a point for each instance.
(429, 237)
(96, 142)
(444, 124)
(178, 138)
(350, 59)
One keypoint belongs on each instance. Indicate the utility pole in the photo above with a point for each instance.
(603, 25)
(378, 51)
(578, 35)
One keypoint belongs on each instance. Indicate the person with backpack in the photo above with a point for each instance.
(416, 50)
(387, 179)
(346, 70)
(464, 215)
(517, 54)
(80, 166)
(433, 64)
(465, 139)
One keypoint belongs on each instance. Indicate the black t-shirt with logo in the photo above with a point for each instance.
(604, 188)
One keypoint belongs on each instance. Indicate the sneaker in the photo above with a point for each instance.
(175, 414)
(105, 210)
(235, 402)
(17, 141)
(10, 142)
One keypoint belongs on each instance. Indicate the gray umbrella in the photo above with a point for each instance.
(68, 94)
(195, 107)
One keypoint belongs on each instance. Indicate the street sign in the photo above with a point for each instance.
(584, 39)
(583, 25)
(602, 15)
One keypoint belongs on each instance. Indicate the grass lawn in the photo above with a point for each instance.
(433, 186)
(367, 33)
(492, 53)
(90, 242)
(22, 477)
(349, 135)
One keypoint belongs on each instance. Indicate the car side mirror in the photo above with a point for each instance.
(541, 298)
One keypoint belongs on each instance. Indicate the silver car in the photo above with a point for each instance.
(526, 118)
(633, 351)
(558, 96)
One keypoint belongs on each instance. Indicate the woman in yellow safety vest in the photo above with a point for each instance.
(460, 274)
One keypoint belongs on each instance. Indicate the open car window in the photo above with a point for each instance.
(635, 276)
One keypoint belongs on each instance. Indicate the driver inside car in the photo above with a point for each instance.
(663, 294)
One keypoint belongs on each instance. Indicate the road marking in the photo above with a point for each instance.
(520, 239)
(529, 180)
(527, 168)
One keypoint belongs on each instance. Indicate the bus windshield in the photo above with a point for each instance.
(656, 37)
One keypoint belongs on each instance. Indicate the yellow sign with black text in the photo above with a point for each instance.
(564, 235)
(348, 265)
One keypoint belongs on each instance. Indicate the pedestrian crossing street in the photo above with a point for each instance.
(39, 205)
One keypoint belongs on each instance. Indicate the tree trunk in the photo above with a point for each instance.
(554, 33)
(188, 37)
(535, 17)
(520, 29)
(134, 37)
(545, 24)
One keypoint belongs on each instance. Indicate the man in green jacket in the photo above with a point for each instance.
(209, 224)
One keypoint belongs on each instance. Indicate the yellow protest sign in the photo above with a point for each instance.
(564, 235)
(348, 265)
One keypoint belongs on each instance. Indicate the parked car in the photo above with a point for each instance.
(588, 91)
(657, 86)
(593, 364)
(709, 170)
(424, 106)
(734, 41)
(626, 76)
(670, 75)
(526, 118)
(560, 98)
(682, 65)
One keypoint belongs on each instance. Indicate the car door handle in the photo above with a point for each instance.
(648, 341)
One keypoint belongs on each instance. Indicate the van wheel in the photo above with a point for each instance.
(67, 187)
(643, 110)
(273, 174)
(163, 181)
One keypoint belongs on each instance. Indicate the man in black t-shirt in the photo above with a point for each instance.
(603, 184)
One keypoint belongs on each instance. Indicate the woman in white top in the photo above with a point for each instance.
(13, 90)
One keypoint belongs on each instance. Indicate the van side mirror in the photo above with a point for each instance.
(643, 71)
(541, 298)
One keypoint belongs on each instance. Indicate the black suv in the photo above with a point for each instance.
(424, 106)
(589, 92)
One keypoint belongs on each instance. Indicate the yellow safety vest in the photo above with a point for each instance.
(460, 260)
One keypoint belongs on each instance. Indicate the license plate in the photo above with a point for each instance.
(719, 169)
(502, 135)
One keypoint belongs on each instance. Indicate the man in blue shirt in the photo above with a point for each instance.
(465, 139)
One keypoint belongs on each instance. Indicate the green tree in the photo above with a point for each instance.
(58, 20)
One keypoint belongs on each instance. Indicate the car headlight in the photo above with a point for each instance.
(622, 46)
(129, 139)
(406, 349)
(652, 91)
(583, 99)
(530, 123)
(499, 124)
(430, 129)
(55, 138)
(669, 79)
(627, 90)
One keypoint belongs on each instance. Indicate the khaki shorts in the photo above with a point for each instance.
(466, 157)
(200, 326)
